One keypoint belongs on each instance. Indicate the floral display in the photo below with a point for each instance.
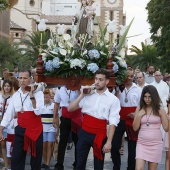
(66, 56)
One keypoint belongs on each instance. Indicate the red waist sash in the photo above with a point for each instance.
(34, 128)
(76, 118)
(98, 127)
(132, 135)
(125, 111)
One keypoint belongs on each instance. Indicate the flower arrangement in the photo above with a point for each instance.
(66, 56)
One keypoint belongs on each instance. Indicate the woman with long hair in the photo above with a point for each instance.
(148, 119)
(7, 92)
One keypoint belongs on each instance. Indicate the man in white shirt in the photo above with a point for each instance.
(129, 100)
(162, 88)
(69, 122)
(140, 77)
(149, 77)
(99, 108)
(28, 133)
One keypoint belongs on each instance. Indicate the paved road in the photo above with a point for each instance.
(107, 166)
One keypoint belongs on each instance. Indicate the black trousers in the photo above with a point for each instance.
(116, 145)
(84, 144)
(19, 155)
(65, 128)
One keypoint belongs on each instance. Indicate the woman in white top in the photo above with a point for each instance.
(49, 131)
(7, 92)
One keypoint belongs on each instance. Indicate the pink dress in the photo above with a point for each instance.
(149, 144)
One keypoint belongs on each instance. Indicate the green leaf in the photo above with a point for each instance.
(122, 40)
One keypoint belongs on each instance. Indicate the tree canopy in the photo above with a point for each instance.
(159, 19)
(144, 57)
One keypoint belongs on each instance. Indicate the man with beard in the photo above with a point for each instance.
(99, 108)
(129, 100)
(149, 77)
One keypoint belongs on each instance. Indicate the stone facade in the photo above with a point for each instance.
(57, 11)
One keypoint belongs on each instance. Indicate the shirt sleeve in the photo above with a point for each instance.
(114, 116)
(39, 97)
(57, 98)
(9, 114)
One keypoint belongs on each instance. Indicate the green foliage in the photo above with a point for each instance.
(159, 19)
(33, 44)
(145, 56)
(3, 5)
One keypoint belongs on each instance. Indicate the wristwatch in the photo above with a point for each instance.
(32, 98)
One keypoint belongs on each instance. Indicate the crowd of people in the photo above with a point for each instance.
(33, 120)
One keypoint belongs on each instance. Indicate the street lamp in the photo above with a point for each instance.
(41, 27)
(111, 28)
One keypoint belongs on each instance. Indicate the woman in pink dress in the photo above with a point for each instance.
(148, 118)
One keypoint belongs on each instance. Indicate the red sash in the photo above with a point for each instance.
(125, 111)
(34, 128)
(76, 118)
(10, 138)
(98, 127)
(132, 135)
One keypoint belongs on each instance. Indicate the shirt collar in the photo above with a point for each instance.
(106, 92)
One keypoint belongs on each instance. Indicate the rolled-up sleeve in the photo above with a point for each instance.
(39, 97)
(9, 114)
(114, 116)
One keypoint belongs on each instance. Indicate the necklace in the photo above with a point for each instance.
(69, 100)
(147, 119)
(22, 102)
(126, 93)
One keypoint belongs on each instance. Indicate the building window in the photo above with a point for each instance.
(32, 3)
(16, 34)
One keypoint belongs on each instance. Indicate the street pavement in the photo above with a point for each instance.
(69, 159)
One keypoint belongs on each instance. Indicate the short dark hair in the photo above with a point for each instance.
(104, 72)
(28, 71)
(155, 99)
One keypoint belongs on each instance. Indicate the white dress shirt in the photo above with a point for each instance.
(133, 95)
(145, 84)
(163, 91)
(103, 106)
(15, 105)
(63, 96)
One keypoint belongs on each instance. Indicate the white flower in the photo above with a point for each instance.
(123, 29)
(122, 53)
(122, 62)
(44, 56)
(61, 29)
(50, 43)
(60, 45)
(68, 51)
(63, 52)
(66, 37)
(53, 52)
(102, 53)
(70, 44)
(77, 63)
(72, 53)
(85, 52)
(111, 28)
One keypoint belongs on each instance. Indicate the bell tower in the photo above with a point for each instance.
(112, 10)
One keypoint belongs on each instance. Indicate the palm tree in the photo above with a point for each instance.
(33, 45)
(145, 56)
